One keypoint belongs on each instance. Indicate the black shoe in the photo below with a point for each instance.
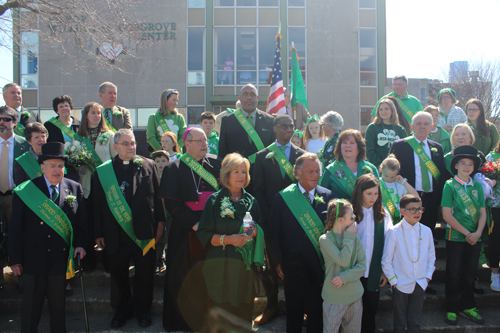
(120, 319)
(144, 320)
(479, 290)
(430, 291)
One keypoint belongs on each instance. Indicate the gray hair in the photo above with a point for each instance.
(299, 163)
(420, 114)
(333, 119)
(104, 85)
(123, 131)
(400, 77)
(8, 85)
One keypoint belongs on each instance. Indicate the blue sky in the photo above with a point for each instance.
(423, 36)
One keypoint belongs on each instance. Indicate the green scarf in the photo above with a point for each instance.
(253, 251)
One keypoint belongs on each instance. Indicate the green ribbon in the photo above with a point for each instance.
(119, 206)
(198, 168)
(248, 127)
(406, 110)
(313, 118)
(51, 214)
(161, 121)
(386, 197)
(424, 158)
(30, 165)
(466, 200)
(253, 251)
(299, 133)
(19, 129)
(280, 157)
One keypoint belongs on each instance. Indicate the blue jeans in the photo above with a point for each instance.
(461, 270)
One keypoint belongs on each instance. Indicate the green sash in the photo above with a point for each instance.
(118, 205)
(248, 127)
(160, 120)
(376, 264)
(62, 127)
(305, 215)
(282, 161)
(111, 128)
(386, 196)
(466, 200)
(51, 214)
(198, 168)
(19, 130)
(424, 158)
(348, 181)
(30, 165)
(406, 110)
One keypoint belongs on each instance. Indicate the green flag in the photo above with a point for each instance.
(297, 87)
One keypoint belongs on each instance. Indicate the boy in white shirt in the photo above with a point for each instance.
(408, 262)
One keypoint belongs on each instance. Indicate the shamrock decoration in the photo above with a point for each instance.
(103, 139)
(367, 169)
(318, 199)
(138, 161)
(226, 208)
(117, 113)
(271, 156)
(434, 151)
(25, 114)
(70, 199)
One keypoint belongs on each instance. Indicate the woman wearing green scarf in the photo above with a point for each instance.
(231, 252)
(166, 119)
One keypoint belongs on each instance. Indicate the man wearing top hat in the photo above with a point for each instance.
(296, 223)
(48, 229)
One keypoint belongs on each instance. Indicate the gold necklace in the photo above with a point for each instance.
(419, 239)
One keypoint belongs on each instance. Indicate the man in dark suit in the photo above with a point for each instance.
(138, 183)
(39, 250)
(11, 147)
(269, 178)
(117, 116)
(13, 96)
(295, 243)
(185, 297)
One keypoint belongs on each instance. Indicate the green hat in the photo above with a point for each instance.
(448, 90)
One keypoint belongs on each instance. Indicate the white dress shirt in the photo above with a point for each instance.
(418, 173)
(311, 192)
(287, 151)
(366, 232)
(396, 264)
(11, 142)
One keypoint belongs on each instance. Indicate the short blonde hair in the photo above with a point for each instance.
(469, 130)
(231, 162)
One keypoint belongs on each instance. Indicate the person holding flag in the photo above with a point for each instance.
(48, 229)
(128, 221)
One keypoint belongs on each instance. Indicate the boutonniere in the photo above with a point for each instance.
(138, 161)
(318, 200)
(70, 199)
(226, 208)
(271, 156)
(434, 151)
(320, 154)
(117, 113)
(25, 114)
(103, 139)
(367, 169)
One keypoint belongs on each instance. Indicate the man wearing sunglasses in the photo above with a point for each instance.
(11, 147)
(13, 96)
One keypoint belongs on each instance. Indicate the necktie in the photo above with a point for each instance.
(249, 117)
(4, 168)
(283, 150)
(107, 114)
(426, 182)
(55, 194)
(308, 198)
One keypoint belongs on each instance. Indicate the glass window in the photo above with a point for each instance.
(47, 114)
(365, 115)
(224, 56)
(268, 3)
(296, 3)
(194, 114)
(246, 2)
(366, 3)
(368, 79)
(196, 56)
(368, 50)
(267, 49)
(246, 55)
(196, 3)
(143, 116)
(224, 3)
(29, 60)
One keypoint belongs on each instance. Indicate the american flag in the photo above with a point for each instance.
(276, 100)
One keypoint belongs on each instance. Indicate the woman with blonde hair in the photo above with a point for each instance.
(382, 132)
(461, 135)
(166, 119)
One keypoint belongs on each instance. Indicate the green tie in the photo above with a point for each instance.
(107, 114)
(249, 118)
(426, 182)
(308, 198)
(283, 150)
(55, 193)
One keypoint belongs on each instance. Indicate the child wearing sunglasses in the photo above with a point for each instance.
(408, 262)
(345, 262)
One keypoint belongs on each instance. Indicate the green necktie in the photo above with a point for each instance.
(249, 117)
(308, 198)
(107, 114)
(426, 182)
(283, 150)
(55, 193)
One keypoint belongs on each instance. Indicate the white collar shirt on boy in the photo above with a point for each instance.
(408, 260)
(366, 232)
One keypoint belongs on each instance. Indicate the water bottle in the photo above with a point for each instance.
(247, 223)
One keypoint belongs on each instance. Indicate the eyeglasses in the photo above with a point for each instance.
(127, 144)
(473, 110)
(285, 127)
(6, 120)
(200, 142)
(415, 210)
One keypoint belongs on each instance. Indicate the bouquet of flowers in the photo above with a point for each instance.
(491, 169)
(79, 155)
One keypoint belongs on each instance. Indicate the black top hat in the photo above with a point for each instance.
(469, 152)
(52, 150)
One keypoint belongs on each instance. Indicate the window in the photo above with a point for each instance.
(224, 3)
(246, 53)
(196, 56)
(268, 3)
(267, 47)
(194, 114)
(365, 115)
(246, 3)
(29, 60)
(196, 3)
(224, 56)
(367, 4)
(142, 116)
(368, 50)
(296, 3)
